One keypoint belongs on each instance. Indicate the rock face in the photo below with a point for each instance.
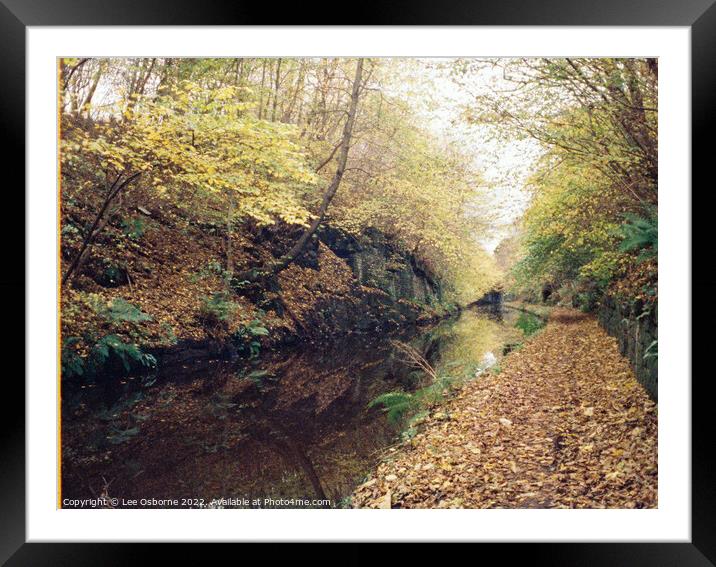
(377, 263)
(340, 286)
(636, 328)
(494, 297)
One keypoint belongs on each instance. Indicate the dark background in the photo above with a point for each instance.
(16, 14)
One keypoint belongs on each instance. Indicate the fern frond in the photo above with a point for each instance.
(390, 399)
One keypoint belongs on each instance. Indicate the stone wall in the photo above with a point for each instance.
(635, 327)
(377, 263)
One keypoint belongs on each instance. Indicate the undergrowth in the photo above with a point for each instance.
(408, 409)
(529, 324)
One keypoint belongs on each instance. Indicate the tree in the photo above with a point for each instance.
(112, 193)
(203, 153)
(597, 122)
(226, 140)
(330, 192)
(600, 113)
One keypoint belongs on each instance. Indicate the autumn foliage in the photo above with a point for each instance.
(172, 165)
(596, 181)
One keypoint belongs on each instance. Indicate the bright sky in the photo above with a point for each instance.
(505, 165)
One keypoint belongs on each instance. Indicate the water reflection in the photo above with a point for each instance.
(294, 426)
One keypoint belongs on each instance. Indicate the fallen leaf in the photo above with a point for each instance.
(385, 501)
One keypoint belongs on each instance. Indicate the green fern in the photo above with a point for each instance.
(129, 353)
(640, 233)
(218, 307)
(395, 405)
(246, 337)
(72, 363)
(134, 228)
(529, 324)
(118, 310)
(121, 310)
(256, 329)
(435, 392)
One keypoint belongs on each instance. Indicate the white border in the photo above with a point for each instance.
(670, 522)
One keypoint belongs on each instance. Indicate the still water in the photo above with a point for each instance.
(290, 429)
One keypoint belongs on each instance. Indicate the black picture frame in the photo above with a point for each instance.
(16, 15)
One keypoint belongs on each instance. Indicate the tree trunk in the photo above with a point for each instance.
(72, 72)
(93, 88)
(138, 86)
(261, 91)
(286, 260)
(163, 87)
(296, 93)
(229, 231)
(95, 229)
(296, 454)
(275, 91)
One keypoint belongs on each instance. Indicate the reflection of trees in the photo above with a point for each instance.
(315, 397)
(464, 340)
(294, 453)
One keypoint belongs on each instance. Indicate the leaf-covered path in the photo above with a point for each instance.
(564, 424)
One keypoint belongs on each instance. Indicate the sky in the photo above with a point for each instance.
(504, 164)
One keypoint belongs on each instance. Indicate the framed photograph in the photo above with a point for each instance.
(391, 282)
